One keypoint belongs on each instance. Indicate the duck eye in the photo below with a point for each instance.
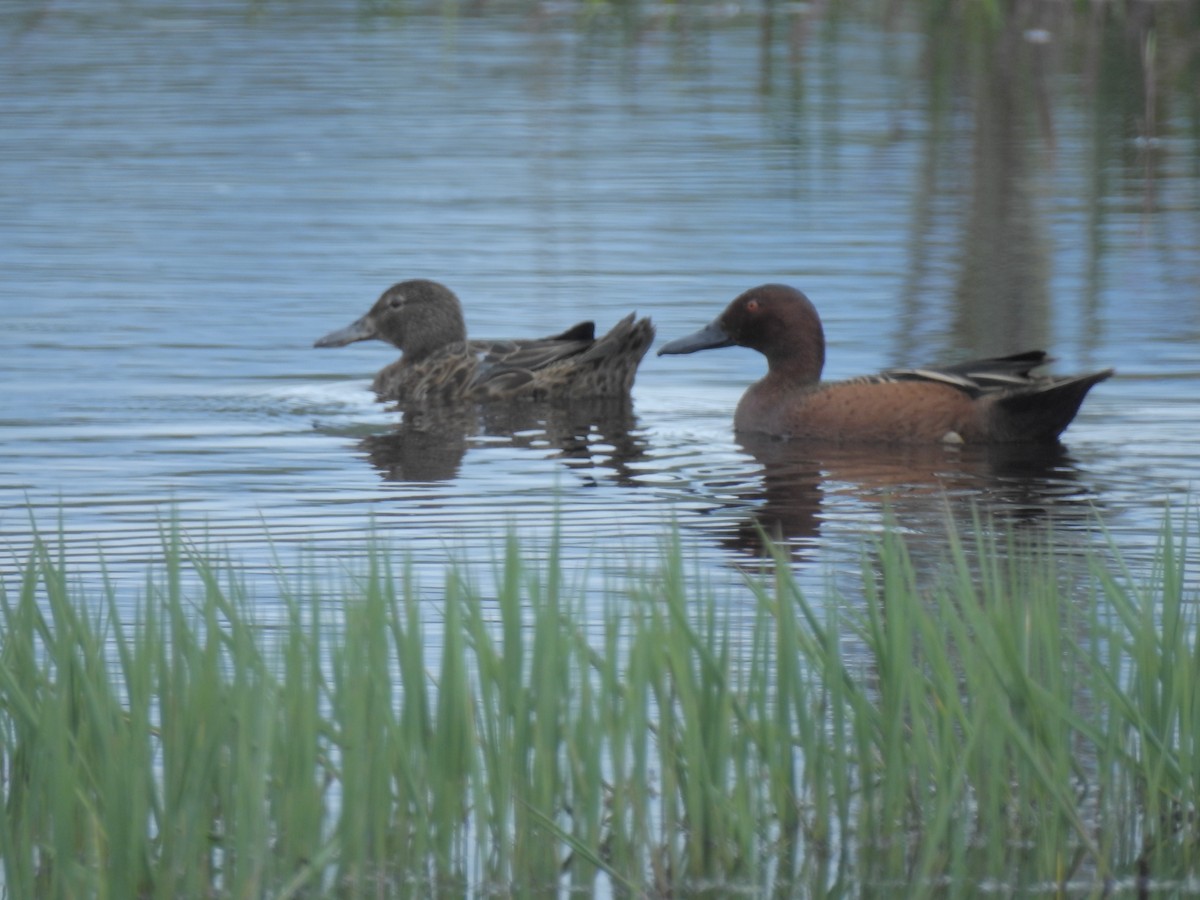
(752, 306)
(396, 302)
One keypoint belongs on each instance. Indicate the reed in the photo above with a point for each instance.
(1000, 720)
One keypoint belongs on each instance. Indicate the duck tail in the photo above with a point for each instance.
(613, 359)
(1041, 413)
(584, 331)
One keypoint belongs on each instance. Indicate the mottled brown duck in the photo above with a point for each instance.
(440, 366)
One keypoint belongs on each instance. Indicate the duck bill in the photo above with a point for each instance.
(362, 330)
(707, 338)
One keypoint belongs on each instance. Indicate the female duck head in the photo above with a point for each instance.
(417, 316)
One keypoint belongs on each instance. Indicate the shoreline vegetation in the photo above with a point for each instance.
(1011, 723)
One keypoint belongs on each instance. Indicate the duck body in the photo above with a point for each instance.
(440, 366)
(984, 401)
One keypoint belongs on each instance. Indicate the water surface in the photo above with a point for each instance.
(192, 193)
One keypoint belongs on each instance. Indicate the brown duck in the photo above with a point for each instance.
(987, 401)
(440, 365)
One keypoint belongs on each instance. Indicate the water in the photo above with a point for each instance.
(193, 193)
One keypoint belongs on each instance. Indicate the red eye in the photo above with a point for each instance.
(752, 306)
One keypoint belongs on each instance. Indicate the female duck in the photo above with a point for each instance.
(440, 366)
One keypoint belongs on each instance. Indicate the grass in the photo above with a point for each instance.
(1009, 723)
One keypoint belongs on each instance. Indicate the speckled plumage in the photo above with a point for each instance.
(441, 366)
(985, 401)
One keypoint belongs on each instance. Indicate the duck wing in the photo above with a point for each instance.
(979, 376)
(504, 367)
(572, 364)
(584, 331)
(1021, 406)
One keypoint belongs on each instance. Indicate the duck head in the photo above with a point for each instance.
(417, 316)
(776, 320)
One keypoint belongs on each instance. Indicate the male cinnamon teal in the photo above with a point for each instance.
(440, 366)
(987, 401)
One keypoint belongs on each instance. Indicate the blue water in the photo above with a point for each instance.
(192, 193)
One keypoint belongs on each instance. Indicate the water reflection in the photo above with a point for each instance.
(430, 445)
(420, 449)
(1002, 141)
(921, 487)
(1016, 178)
(1003, 299)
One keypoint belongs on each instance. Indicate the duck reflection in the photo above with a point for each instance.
(588, 434)
(424, 447)
(430, 445)
(803, 485)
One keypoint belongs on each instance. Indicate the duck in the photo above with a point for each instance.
(985, 401)
(439, 366)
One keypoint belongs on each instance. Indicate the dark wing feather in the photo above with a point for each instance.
(584, 331)
(506, 365)
(978, 376)
(573, 362)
